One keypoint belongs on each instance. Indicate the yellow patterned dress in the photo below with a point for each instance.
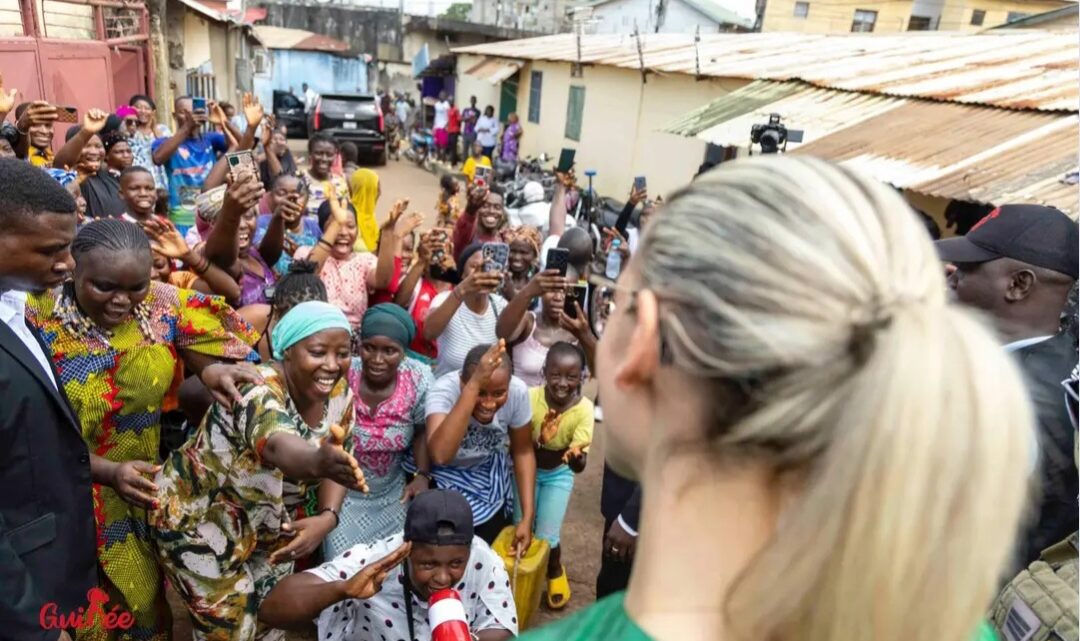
(116, 381)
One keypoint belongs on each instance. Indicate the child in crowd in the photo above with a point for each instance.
(562, 421)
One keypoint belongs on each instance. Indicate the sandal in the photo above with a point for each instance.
(558, 587)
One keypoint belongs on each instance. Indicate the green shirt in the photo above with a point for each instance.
(606, 620)
(603, 620)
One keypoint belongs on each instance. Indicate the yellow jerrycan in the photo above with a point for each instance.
(528, 574)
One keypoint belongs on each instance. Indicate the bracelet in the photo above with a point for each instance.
(325, 243)
(203, 267)
(337, 519)
(427, 475)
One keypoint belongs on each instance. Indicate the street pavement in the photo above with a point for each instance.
(582, 529)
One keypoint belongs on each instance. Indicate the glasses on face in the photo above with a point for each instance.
(130, 122)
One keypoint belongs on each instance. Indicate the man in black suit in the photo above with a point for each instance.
(46, 520)
(1019, 264)
(620, 503)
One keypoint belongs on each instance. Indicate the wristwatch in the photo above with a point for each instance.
(337, 517)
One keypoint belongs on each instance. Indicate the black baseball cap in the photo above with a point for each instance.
(1033, 234)
(439, 517)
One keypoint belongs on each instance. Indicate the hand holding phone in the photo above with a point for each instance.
(482, 175)
(240, 162)
(566, 161)
(575, 296)
(68, 115)
(496, 257)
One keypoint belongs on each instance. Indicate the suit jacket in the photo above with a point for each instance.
(47, 532)
(1045, 365)
(619, 496)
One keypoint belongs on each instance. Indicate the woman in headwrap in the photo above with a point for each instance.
(222, 526)
(102, 188)
(389, 391)
(524, 245)
(364, 191)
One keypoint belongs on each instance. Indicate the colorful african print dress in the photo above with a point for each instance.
(116, 381)
(222, 508)
(383, 436)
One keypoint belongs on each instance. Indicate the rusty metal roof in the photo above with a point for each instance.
(1011, 69)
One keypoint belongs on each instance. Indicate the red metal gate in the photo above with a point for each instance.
(81, 53)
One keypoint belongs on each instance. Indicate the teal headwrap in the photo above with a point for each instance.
(304, 320)
(391, 321)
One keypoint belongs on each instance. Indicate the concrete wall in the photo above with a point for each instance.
(325, 72)
(485, 92)
(620, 16)
(835, 16)
(364, 28)
(620, 122)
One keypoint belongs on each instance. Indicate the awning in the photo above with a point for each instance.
(949, 150)
(495, 70)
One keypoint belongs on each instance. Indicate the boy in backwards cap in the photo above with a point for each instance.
(370, 591)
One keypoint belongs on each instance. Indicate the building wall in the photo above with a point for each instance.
(325, 72)
(620, 122)
(364, 28)
(196, 40)
(485, 92)
(547, 16)
(620, 16)
(835, 16)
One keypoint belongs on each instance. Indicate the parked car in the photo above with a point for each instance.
(289, 111)
(353, 118)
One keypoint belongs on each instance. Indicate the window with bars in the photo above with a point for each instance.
(575, 107)
(802, 9)
(536, 86)
(864, 21)
(920, 23)
(977, 17)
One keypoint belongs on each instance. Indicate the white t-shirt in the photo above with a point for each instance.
(487, 131)
(484, 589)
(310, 98)
(481, 440)
(442, 115)
(465, 331)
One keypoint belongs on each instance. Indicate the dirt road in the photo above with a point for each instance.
(581, 532)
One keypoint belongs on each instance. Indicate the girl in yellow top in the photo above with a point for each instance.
(476, 159)
(562, 431)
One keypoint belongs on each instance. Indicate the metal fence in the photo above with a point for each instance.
(201, 84)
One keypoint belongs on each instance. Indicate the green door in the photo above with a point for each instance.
(508, 96)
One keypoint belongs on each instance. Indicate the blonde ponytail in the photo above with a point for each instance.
(817, 294)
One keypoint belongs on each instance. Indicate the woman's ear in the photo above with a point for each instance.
(642, 352)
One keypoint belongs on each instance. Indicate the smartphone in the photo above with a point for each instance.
(578, 294)
(198, 104)
(496, 256)
(557, 258)
(482, 175)
(240, 161)
(67, 115)
(566, 160)
(639, 183)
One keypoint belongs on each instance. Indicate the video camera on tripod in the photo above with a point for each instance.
(774, 137)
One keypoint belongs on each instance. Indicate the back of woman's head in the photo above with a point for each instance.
(810, 303)
(300, 285)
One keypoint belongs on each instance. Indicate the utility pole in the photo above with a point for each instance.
(401, 30)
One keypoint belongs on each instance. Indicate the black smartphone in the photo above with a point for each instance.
(576, 294)
(496, 256)
(566, 160)
(557, 258)
(198, 104)
(639, 183)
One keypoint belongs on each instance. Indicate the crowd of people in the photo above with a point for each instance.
(243, 384)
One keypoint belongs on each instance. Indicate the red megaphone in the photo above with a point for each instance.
(446, 617)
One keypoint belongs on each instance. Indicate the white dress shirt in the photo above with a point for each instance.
(13, 314)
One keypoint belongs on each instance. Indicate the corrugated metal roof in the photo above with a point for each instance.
(817, 112)
(494, 71)
(298, 39)
(1012, 69)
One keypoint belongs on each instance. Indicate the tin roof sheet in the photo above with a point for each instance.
(1011, 69)
(298, 39)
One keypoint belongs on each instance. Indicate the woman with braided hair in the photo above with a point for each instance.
(116, 337)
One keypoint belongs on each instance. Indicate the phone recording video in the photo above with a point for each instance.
(67, 115)
(576, 295)
(557, 258)
(566, 160)
(496, 257)
(482, 176)
(198, 104)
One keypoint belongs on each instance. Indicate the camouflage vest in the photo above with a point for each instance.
(1040, 604)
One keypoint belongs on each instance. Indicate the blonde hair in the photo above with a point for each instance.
(813, 300)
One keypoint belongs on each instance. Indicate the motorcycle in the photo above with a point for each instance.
(421, 144)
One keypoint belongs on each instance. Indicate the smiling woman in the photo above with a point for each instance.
(248, 468)
(116, 339)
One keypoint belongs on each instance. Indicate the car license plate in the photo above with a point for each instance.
(348, 125)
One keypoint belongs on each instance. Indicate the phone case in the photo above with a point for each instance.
(65, 116)
(557, 259)
(577, 294)
(496, 256)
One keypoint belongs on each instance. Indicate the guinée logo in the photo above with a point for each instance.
(85, 618)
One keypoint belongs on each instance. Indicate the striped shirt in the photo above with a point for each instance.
(465, 331)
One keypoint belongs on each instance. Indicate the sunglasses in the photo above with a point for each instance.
(130, 122)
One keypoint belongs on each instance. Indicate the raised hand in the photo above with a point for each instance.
(131, 483)
(7, 98)
(395, 213)
(367, 582)
(490, 362)
(479, 282)
(578, 325)
(217, 114)
(165, 238)
(290, 210)
(94, 120)
(548, 280)
(269, 124)
(253, 111)
(339, 209)
(406, 225)
(477, 195)
(550, 426)
(338, 465)
(38, 113)
(638, 195)
(245, 190)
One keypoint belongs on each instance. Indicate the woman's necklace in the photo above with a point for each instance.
(79, 324)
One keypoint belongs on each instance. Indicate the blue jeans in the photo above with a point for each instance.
(553, 489)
